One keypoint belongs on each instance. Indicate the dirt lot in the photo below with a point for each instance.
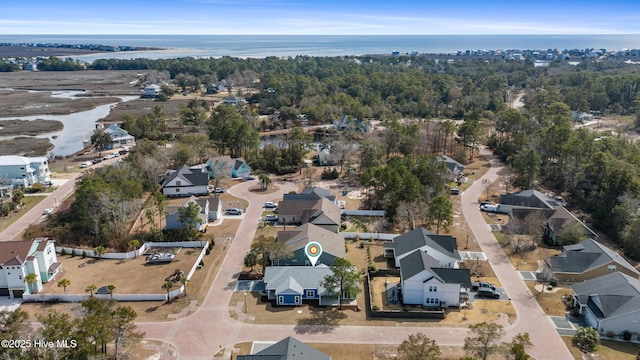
(131, 276)
(362, 351)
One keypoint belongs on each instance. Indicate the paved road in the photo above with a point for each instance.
(210, 328)
(547, 344)
(14, 231)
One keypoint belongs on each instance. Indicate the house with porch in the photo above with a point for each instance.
(609, 303)
(586, 260)
(185, 182)
(226, 166)
(443, 248)
(455, 170)
(561, 219)
(327, 158)
(21, 258)
(297, 239)
(288, 348)
(425, 282)
(346, 122)
(120, 137)
(291, 285)
(21, 171)
(151, 91)
(210, 209)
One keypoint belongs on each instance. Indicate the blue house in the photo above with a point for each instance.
(225, 166)
(291, 285)
(120, 137)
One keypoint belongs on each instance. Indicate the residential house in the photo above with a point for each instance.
(291, 285)
(425, 282)
(21, 258)
(225, 166)
(455, 170)
(210, 209)
(151, 91)
(233, 100)
(120, 137)
(562, 219)
(609, 303)
(186, 182)
(297, 238)
(579, 116)
(326, 158)
(216, 88)
(531, 199)
(356, 124)
(443, 248)
(288, 348)
(21, 171)
(586, 260)
(322, 212)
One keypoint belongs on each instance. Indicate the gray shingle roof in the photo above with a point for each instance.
(420, 237)
(614, 294)
(586, 255)
(307, 277)
(300, 236)
(195, 178)
(418, 261)
(287, 349)
(529, 198)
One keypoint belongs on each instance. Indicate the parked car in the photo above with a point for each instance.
(97, 160)
(270, 205)
(249, 178)
(219, 190)
(270, 218)
(490, 208)
(455, 191)
(123, 151)
(108, 156)
(233, 211)
(86, 164)
(47, 211)
(482, 284)
(486, 292)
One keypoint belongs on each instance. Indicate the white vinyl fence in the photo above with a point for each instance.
(124, 297)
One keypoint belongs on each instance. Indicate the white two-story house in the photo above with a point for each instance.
(21, 258)
(21, 171)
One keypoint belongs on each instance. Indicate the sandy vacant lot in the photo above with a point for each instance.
(131, 276)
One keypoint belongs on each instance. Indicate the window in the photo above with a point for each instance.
(310, 293)
(433, 288)
(178, 183)
(611, 268)
(177, 190)
(280, 299)
(296, 299)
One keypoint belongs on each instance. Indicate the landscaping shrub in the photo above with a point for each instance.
(84, 254)
(626, 335)
(375, 308)
(63, 252)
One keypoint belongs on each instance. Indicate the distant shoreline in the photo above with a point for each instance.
(46, 51)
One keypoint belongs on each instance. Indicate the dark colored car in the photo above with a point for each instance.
(97, 160)
(486, 292)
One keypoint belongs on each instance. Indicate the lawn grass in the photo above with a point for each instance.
(28, 202)
(607, 350)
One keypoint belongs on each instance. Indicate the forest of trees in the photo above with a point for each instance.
(596, 172)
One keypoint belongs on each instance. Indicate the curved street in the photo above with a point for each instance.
(210, 329)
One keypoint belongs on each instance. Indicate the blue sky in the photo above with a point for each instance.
(328, 17)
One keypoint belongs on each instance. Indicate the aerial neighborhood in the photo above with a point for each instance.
(343, 208)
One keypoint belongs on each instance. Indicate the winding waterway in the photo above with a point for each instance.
(77, 126)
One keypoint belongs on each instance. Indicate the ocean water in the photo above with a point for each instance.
(325, 45)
